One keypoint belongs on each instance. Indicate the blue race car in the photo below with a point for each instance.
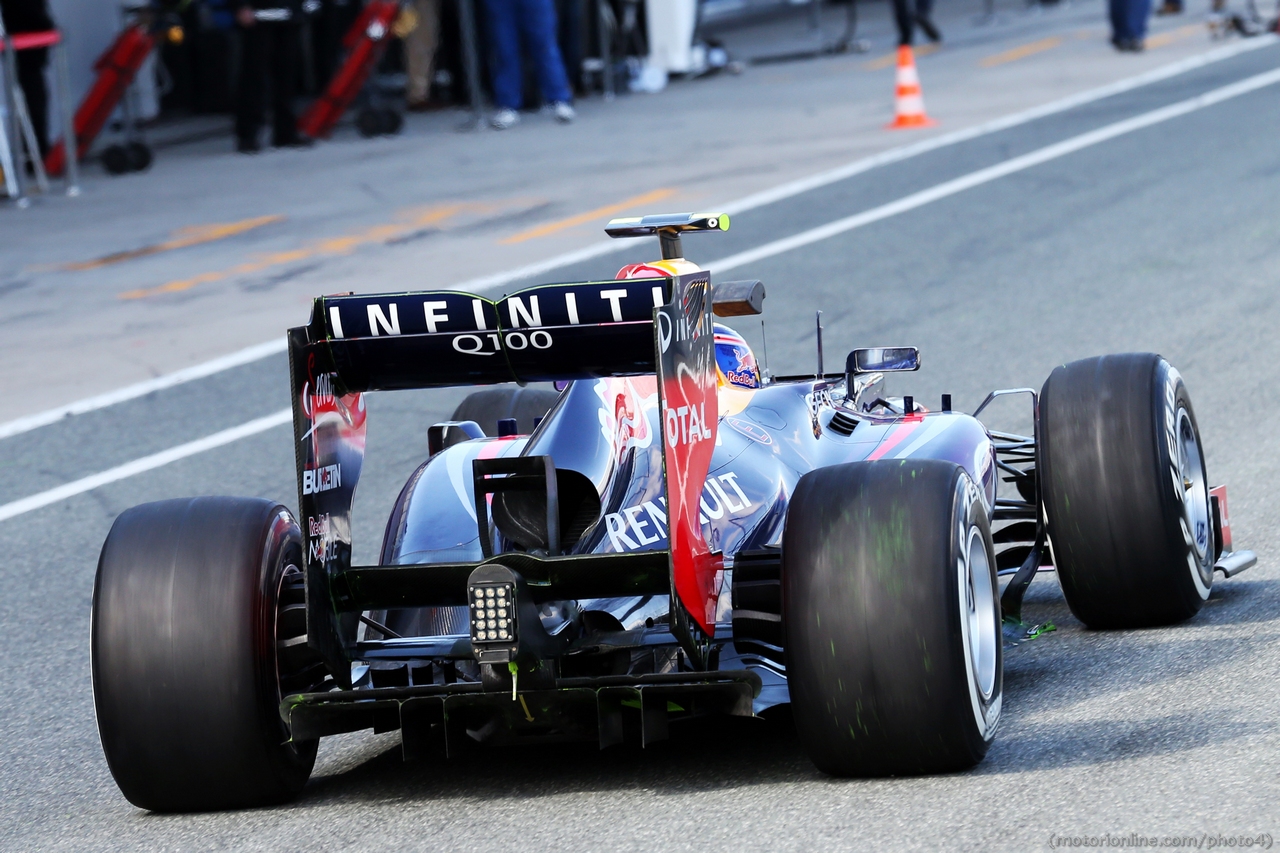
(668, 534)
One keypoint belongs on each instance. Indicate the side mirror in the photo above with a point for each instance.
(882, 359)
(737, 298)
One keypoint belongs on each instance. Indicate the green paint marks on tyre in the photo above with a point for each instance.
(891, 547)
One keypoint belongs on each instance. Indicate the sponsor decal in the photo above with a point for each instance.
(491, 343)
(323, 407)
(640, 526)
(320, 398)
(320, 547)
(750, 430)
(686, 424)
(483, 328)
(622, 416)
(323, 479)
(818, 400)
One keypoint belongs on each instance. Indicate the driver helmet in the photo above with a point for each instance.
(735, 363)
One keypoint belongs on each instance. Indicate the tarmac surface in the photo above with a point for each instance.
(1164, 238)
(211, 251)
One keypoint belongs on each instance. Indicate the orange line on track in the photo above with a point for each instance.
(183, 237)
(889, 59)
(1021, 52)
(591, 216)
(1166, 38)
(340, 245)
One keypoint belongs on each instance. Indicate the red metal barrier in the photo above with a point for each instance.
(116, 69)
(365, 42)
(27, 41)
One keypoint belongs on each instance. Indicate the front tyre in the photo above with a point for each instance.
(1125, 491)
(891, 618)
(194, 630)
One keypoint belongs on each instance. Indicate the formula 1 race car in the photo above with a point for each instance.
(669, 534)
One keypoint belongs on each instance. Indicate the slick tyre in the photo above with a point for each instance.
(494, 404)
(192, 599)
(1125, 493)
(891, 619)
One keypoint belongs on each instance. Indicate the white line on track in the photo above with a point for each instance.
(940, 191)
(146, 463)
(1000, 170)
(893, 155)
(141, 389)
(779, 193)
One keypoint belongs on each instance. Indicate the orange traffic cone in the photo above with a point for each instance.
(908, 103)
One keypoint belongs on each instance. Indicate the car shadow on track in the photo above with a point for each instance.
(702, 755)
(1078, 697)
(1083, 743)
(1046, 723)
(1241, 601)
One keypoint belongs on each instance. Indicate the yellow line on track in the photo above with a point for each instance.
(1021, 52)
(182, 238)
(341, 245)
(628, 206)
(889, 59)
(1162, 39)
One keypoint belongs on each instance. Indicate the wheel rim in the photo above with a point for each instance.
(298, 669)
(1195, 491)
(978, 611)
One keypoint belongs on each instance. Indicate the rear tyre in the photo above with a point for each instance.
(891, 618)
(1125, 492)
(491, 405)
(195, 626)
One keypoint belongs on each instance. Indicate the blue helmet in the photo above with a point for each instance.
(735, 363)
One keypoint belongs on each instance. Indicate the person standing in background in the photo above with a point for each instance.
(907, 18)
(533, 22)
(420, 54)
(1129, 24)
(31, 16)
(269, 55)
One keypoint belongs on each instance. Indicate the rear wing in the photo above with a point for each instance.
(354, 344)
(439, 339)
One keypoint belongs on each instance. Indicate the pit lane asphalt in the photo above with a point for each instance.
(1167, 239)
